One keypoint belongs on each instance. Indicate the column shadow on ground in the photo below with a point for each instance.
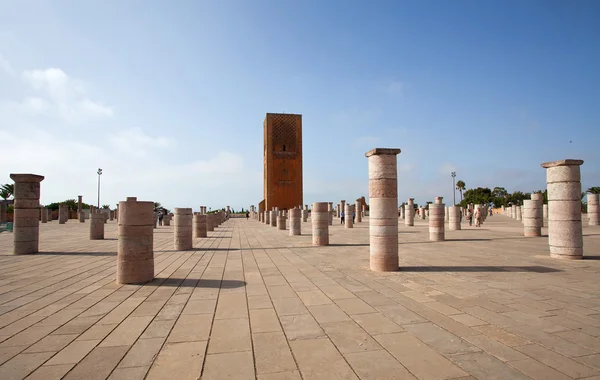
(191, 283)
(198, 249)
(76, 253)
(475, 268)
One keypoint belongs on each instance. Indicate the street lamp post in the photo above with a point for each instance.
(99, 174)
(453, 174)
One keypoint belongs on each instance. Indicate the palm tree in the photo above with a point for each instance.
(157, 206)
(593, 190)
(7, 190)
(460, 186)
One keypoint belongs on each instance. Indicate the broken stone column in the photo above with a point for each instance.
(330, 212)
(402, 211)
(409, 213)
(166, 220)
(26, 217)
(295, 224)
(421, 213)
(532, 218)
(97, 225)
(155, 219)
(320, 223)
(79, 204)
(111, 215)
(305, 214)
(267, 218)
(135, 252)
(454, 218)
(62, 213)
(539, 198)
(357, 210)
(183, 240)
(565, 236)
(514, 211)
(383, 206)
(593, 210)
(436, 220)
(519, 213)
(210, 226)
(447, 214)
(200, 230)
(348, 218)
(545, 214)
(81, 216)
(44, 215)
(274, 214)
(281, 219)
(343, 208)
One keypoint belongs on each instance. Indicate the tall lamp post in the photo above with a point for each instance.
(453, 174)
(99, 174)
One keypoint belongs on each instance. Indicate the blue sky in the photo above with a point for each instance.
(169, 97)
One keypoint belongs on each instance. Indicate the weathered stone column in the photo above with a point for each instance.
(320, 223)
(357, 210)
(348, 216)
(295, 224)
(166, 220)
(26, 221)
(135, 252)
(545, 214)
(81, 217)
(539, 198)
(267, 218)
(183, 240)
(436, 220)
(519, 213)
(447, 214)
(565, 236)
(155, 219)
(210, 226)
(44, 215)
(97, 225)
(330, 212)
(514, 212)
(532, 218)
(274, 214)
(364, 210)
(409, 212)
(383, 204)
(454, 218)
(593, 210)
(79, 204)
(402, 212)
(62, 213)
(421, 213)
(305, 214)
(342, 208)
(281, 219)
(200, 230)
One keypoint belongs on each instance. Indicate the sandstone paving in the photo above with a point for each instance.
(252, 302)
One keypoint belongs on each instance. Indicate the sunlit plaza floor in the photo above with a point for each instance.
(251, 302)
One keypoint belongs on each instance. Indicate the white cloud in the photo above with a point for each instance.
(135, 142)
(5, 66)
(61, 96)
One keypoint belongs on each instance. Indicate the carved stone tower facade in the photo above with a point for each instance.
(282, 161)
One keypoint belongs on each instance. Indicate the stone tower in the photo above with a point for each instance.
(282, 161)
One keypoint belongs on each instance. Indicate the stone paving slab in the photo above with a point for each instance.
(252, 302)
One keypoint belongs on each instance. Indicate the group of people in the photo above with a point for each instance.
(474, 215)
(343, 217)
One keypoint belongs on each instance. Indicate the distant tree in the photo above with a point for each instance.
(106, 206)
(593, 190)
(460, 186)
(7, 190)
(156, 206)
(480, 195)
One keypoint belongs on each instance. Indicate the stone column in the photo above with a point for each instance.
(539, 198)
(48, 214)
(357, 210)
(565, 236)
(343, 208)
(79, 204)
(330, 212)
(593, 210)
(183, 240)
(26, 221)
(337, 211)
(3, 212)
(402, 212)
(320, 223)
(447, 214)
(97, 225)
(81, 216)
(295, 224)
(135, 252)
(545, 214)
(44, 215)
(436, 220)
(210, 226)
(274, 214)
(409, 212)
(305, 214)
(421, 213)
(348, 216)
(519, 213)
(364, 210)
(532, 218)
(267, 218)
(514, 211)
(166, 220)
(155, 219)
(383, 203)
(200, 230)
(454, 218)
(281, 219)
(62, 213)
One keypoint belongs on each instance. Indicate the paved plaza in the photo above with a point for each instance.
(252, 302)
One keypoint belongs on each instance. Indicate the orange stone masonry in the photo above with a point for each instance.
(383, 209)
(357, 210)
(182, 237)
(97, 225)
(295, 223)
(565, 235)
(135, 250)
(200, 230)
(26, 222)
(436, 220)
(320, 224)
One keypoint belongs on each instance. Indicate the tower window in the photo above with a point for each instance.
(284, 147)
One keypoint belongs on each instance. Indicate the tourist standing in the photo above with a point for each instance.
(342, 218)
